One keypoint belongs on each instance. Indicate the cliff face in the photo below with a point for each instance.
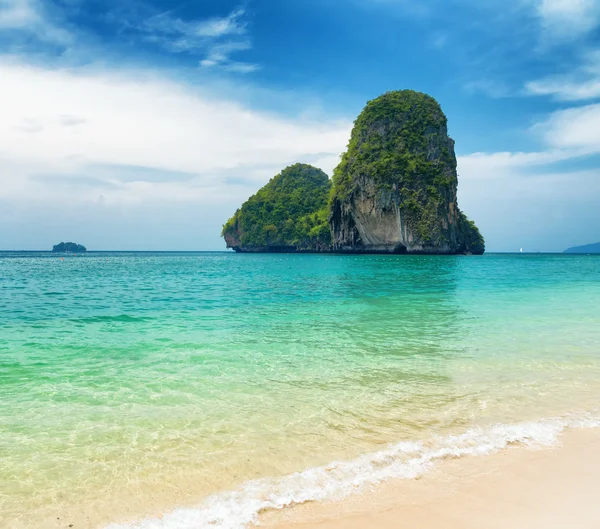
(394, 190)
(289, 214)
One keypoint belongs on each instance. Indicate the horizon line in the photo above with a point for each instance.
(557, 252)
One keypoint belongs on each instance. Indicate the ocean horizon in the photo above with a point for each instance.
(232, 252)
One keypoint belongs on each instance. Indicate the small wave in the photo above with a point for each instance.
(122, 318)
(240, 508)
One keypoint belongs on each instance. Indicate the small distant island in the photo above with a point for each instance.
(586, 248)
(394, 191)
(69, 247)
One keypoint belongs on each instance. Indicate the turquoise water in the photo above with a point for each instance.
(131, 384)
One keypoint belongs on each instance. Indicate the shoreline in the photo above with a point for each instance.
(519, 475)
(517, 488)
(399, 477)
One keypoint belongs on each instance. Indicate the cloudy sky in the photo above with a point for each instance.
(143, 124)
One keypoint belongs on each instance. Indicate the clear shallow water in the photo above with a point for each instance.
(134, 383)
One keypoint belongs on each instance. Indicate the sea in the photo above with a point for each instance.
(199, 390)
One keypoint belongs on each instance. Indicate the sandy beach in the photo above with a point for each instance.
(518, 488)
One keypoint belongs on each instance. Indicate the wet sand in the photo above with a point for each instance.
(518, 488)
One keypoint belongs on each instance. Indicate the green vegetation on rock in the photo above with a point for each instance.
(473, 240)
(399, 172)
(288, 214)
(394, 151)
(394, 191)
(69, 247)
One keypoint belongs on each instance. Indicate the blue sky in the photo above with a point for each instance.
(144, 124)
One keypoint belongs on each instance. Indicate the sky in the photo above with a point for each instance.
(144, 124)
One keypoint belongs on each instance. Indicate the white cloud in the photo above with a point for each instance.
(494, 165)
(559, 19)
(219, 55)
(217, 27)
(218, 39)
(543, 210)
(580, 84)
(567, 18)
(134, 160)
(16, 14)
(181, 35)
(566, 134)
(564, 88)
(520, 199)
(29, 16)
(577, 129)
(55, 143)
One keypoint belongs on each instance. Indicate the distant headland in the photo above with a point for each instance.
(69, 247)
(586, 248)
(394, 191)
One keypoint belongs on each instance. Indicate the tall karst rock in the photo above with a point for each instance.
(394, 190)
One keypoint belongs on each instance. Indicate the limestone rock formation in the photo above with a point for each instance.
(394, 190)
(289, 214)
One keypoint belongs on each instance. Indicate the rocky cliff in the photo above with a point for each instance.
(289, 214)
(394, 190)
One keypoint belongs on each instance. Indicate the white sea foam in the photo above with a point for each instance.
(240, 508)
